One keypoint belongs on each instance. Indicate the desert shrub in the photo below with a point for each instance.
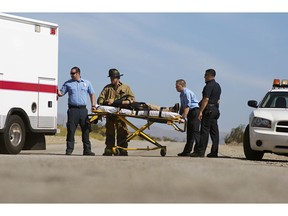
(98, 131)
(236, 135)
(168, 139)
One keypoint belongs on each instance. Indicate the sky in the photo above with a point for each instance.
(153, 50)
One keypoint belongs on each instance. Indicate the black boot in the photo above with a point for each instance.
(107, 152)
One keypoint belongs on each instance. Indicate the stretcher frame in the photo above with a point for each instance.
(98, 114)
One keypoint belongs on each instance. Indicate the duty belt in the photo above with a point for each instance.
(212, 105)
(77, 107)
(194, 108)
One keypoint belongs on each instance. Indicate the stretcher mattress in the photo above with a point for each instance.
(155, 113)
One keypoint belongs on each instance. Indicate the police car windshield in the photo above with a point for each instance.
(275, 100)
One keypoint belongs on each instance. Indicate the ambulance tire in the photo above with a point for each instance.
(13, 138)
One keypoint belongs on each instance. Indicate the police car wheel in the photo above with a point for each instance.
(249, 153)
(13, 138)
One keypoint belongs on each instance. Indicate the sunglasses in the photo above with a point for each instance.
(73, 73)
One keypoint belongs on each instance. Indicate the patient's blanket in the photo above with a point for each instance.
(155, 113)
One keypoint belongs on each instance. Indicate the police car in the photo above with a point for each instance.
(267, 131)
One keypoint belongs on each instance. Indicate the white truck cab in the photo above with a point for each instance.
(28, 82)
(267, 131)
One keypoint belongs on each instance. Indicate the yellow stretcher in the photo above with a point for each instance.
(98, 114)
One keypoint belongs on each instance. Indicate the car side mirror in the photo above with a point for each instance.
(253, 103)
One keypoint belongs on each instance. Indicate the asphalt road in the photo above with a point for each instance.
(49, 176)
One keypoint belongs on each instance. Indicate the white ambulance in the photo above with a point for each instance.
(28, 83)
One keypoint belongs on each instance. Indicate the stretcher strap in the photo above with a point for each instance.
(136, 111)
(160, 112)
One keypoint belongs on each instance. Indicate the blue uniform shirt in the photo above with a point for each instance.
(77, 91)
(188, 99)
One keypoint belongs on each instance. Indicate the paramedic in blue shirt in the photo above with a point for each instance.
(189, 109)
(78, 90)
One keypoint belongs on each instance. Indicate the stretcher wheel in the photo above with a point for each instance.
(116, 151)
(163, 152)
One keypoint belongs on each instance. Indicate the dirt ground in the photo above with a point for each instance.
(49, 176)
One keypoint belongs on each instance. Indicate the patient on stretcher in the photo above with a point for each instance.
(133, 105)
(147, 106)
(142, 109)
(129, 106)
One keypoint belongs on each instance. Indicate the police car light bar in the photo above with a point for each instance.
(284, 83)
(277, 83)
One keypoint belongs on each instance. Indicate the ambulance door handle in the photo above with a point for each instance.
(50, 104)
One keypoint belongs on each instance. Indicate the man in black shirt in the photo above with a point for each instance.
(209, 114)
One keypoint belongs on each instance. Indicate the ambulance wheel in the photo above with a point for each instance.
(163, 152)
(13, 138)
(116, 151)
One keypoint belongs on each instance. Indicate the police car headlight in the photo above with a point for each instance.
(261, 122)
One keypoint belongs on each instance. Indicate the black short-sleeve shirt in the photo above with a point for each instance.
(212, 90)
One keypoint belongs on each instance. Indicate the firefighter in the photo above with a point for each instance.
(116, 93)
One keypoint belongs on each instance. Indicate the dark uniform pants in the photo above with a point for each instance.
(209, 125)
(192, 133)
(113, 124)
(77, 116)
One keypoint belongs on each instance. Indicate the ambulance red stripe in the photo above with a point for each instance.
(22, 86)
